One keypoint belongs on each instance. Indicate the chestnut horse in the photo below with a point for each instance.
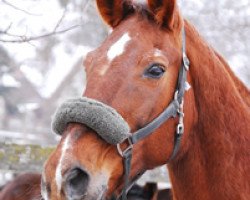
(23, 187)
(135, 71)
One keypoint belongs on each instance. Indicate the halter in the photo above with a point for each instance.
(174, 108)
(109, 125)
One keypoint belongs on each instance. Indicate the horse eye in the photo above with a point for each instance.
(155, 71)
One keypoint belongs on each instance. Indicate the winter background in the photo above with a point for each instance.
(43, 43)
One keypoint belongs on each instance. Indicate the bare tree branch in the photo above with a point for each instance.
(9, 27)
(22, 38)
(84, 8)
(60, 20)
(20, 9)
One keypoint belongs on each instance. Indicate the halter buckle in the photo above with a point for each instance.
(180, 129)
(123, 152)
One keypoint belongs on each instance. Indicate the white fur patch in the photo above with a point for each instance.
(118, 47)
(58, 175)
(158, 53)
(44, 192)
(187, 86)
(97, 186)
(110, 31)
(104, 69)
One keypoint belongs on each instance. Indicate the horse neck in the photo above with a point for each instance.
(216, 164)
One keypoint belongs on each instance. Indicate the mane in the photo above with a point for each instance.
(143, 12)
(243, 90)
(216, 63)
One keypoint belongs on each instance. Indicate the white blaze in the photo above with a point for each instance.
(118, 47)
(44, 192)
(58, 176)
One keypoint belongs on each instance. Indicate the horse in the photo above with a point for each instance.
(135, 71)
(24, 187)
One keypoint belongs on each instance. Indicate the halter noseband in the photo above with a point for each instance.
(174, 108)
(109, 125)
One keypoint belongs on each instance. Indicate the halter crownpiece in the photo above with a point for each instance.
(103, 119)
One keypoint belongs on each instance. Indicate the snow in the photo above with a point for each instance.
(27, 107)
(33, 75)
(61, 67)
(163, 185)
(237, 64)
(39, 17)
(45, 14)
(5, 177)
(19, 135)
(195, 4)
(9, 81)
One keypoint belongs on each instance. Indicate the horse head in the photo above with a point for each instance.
(135, 71)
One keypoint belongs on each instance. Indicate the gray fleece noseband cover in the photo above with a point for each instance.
(103, 119)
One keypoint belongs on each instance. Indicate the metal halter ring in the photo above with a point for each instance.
(122, 152)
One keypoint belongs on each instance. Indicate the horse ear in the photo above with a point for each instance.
(165, 12)
(114, 11)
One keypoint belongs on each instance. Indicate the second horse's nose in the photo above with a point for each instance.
(76, 183)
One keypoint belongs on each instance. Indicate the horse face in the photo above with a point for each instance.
(135, 71)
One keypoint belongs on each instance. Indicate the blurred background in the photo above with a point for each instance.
(42, 45)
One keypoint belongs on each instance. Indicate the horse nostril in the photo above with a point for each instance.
(76, 183)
